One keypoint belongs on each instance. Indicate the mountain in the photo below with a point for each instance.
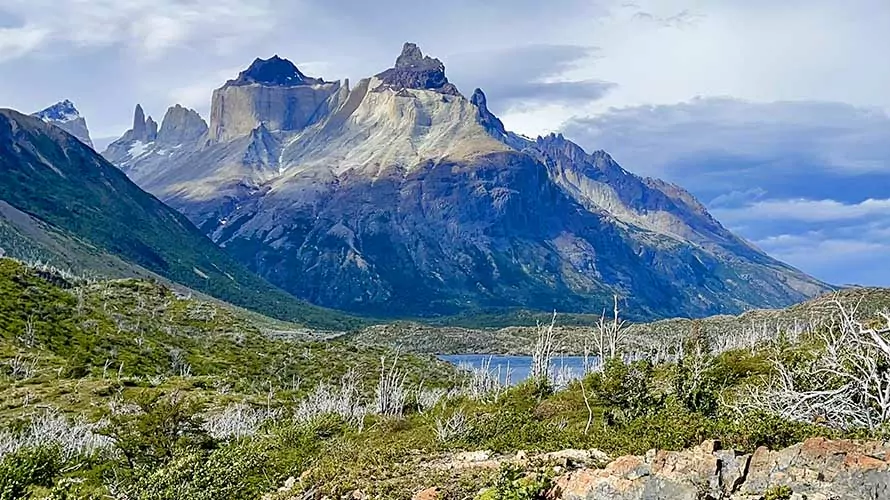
(65, 116)
(59, 198)
(402, 197)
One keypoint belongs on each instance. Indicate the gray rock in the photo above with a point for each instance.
(242, 105)
(817, 468)
(274, 71)
(181, 126)
(151, 130)
(413, 70)
(139, 126)
(486, 118)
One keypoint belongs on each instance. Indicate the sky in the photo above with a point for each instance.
(776, 115)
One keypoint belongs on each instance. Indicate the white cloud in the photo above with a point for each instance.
(763, 51)
(16, 42)
(147, 27)
(782, 134)
(834, 259)
(805, 210)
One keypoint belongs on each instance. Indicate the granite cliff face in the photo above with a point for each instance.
(400, 196)
(181, 126)
(271, 92)
(65, 116)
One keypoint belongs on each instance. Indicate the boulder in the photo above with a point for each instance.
(818, 468)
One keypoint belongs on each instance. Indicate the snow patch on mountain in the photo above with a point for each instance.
(65, 115)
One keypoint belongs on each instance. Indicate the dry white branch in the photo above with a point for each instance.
(542, 356)
(236, 421)
(72, 438)
(846, 386)
(610, 336)
(484, 383)
(391, 392)
(326, 399)
(453, 427)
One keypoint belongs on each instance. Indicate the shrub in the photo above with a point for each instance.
(27, 467)
(163, 426)
(625, 390)
(514, 484)
(232, 472)
(778, 493)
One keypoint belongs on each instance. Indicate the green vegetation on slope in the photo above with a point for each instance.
(76, 336)
(185, 399)
(58, 180)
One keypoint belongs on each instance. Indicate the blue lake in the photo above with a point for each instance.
(518, 366)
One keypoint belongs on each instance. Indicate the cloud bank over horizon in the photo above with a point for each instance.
(775, 116)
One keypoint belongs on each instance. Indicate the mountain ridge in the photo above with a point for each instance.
(94, 207)
(402, 196)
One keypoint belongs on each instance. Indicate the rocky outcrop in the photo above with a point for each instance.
(486, 118)
(413, 70)
(144, 129)
(271, 92)
(816, 469)
(273, 72)
(135, 142)
(181, 126)
(65, 116)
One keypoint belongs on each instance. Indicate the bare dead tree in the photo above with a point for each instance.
(29, 335)
(610, 336)
(542, 356)
(391, 392)
(22, 367)
(483, 383)
(453, 427)
(846, 386)
(586, 404)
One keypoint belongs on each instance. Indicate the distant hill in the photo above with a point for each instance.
(60, 201)
(575, 332)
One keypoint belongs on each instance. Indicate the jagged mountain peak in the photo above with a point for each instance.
(181, 125)
(275, 71)
(409, 198)
(413, 70)
(492, 123)
(412, 57)
(144, 129)
(61, 111)
(65, 115)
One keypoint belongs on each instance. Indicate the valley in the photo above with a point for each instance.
(375, 290)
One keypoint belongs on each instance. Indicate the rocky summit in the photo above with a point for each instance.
(65, 116)
(413, 70)
(399, 196)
